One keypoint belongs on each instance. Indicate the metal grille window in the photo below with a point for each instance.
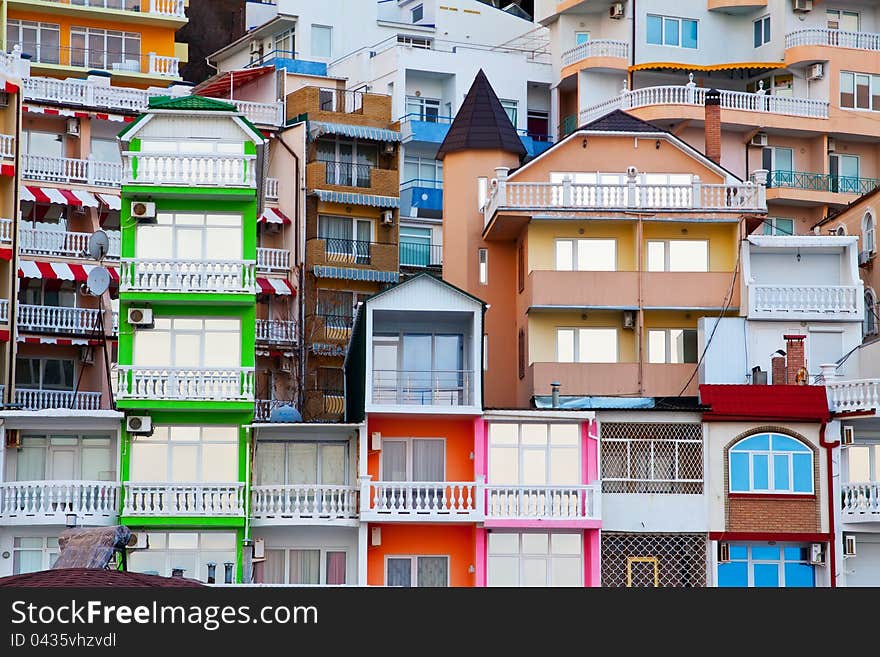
(653, 560)
(652, 458)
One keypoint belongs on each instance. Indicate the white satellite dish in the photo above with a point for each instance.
(97, 282)
(99, 245)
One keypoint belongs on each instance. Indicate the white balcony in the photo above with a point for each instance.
(172, 8)
(65, 244)
(36, 400)
(805, 302)
(7, 147)
(304, 504)
(860, 501)
(49, 502)
(853, 396)
(186, 383)
(263, 407)
(5, 231)
(696, 96)
(543, 502)
(4, 317)
(416, 388)
(276, 331)
(271, 189)
(421, 501)
(58, 319)
(70, 170)
(190, 170)
(596, 48)
(819, 36)
(178, 499)
(272, 260)
(217, 276)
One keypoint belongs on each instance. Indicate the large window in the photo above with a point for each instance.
(761, 29)
(304, 566)
(190, 551)
(586, 345)
(765, 565)
(423, 171)
(838, 19)
(586, 255)
(510, 109)
(417, 459)
(780, 163)
(678, 255)
(44, 373)
(844, 171)
(869, 241)
(322, 41)
(778, 226)
(534, 454)
(420, 368)
(104, 150)
(345, 238)
(34, 142)
(415, 247)
(672, 345)
(33, 553)
(347, 163)
(48, 292)
(862, 463)
(293, 463)
(189, 342)
(285, 44)
(106, 49)
(670, 31)
(535, 559)
(860, 91)
(192, 236)
(771, 463)
(39, 40)
(186, 454)
(428, 571)
(65, 457)
(419, 108)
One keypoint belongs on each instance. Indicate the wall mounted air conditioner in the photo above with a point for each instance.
(803, 5)
(816, 71)
(376, 441)
(142, 210)
(817, 554)
(73, 126)
(616, 10)
(140, 317)
(629, 319)
(759, 139)
(864, 257)
(723, 552)
(139, 424)
(387, 217)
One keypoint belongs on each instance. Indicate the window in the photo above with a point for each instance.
(485, 352)
(104, 150)
(39, 40)
(765, 565)
(33, 553)
(417, 13)
(837, 19)
(860, 91)
(414, 42)
(337, 304)
(668, 31)
(521, 266)
(45, 373)
(189, 342)
(186, 454)
(415, 247)
(418, 459)
(314, 566)
(47, 292)
(771, 463)
(672, 346)
(869, 242)
(521, 353)
(285, 44)
(190, 236)
(678, 255)
(348, 162)
(510, 109)
(863, 463)
(322, 41)
(417, 571)
(535, 559)
(581, 38)
(534, 454)
(106, 49)
(190, 551)
(538, 124)
(778, 226)
(346, 239)
(869, 326)
(844, 171)
(586, 345)
(483, 260)
(586, 255)
(65, 457)
(423, 109)
(196, 145)
(423, 171)
(301, 462)
(762, 31)
(420, 368)
(780, 163)
(34, 142)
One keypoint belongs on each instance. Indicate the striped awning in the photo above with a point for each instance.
(273, 353)
(322, 349)
(350, 198)
(273, 216)
(62, 271)
(73, 197)
(54, 111)
(112, 201)
(352, 274)
(64, 342)
(318, 128)
(277, 286)
(731, 66)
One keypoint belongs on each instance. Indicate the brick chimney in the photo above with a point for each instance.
(777, 370)
(795, 360)
(713, 125)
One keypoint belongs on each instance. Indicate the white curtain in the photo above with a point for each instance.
(394, 460)
(305, 567)
(269, 465)
(302, 463)
(333, 464)
(273, 567)
(428, 460)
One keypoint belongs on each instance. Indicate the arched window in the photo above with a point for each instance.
(868, 238)
(840, 230)
(869, 325)
(771, 463)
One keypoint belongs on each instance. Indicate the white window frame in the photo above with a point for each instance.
(424, 166)
(549, 557)
(36, 287)
(666, 255)
(667, 332)
(577, 265)
(47, 551)
(840, 13)
(771, 467)
(409, 455)
(173, 332)
(107, 56)
(764, 25)
(423, 103)
(319, 474)
(873, 86)
(12, 38)
(773, 224)
(869, 231)
(168, 443)
(511, 106)
(524, 449)
(285, 37)
(576, 350)
(577, 35)
(171, 221)
(329, 29)
(48, 448)
(869, 325)
(678, 19)
(414, 570)
(323, 550)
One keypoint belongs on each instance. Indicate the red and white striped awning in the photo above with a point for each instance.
(63, 342)
(74, 197)
(54, 111)
(277, 286)
(273, 216)
(112, 201)
(59, 270)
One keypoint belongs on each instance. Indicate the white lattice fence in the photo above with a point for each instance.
(653, 560)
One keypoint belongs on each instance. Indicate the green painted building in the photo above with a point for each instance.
(185, 376)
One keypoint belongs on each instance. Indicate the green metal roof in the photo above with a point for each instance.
(197, 103)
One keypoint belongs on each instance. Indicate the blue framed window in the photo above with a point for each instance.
(771, 463)
(670, 31)
(767, 565)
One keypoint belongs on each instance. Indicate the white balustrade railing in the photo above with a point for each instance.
(164, 66)
(173, 8)
(543, 502)
(271, 189)
(188, 276)
(190, 170)
(70, 170)
(186, 383)
(4, 317)
(422, 498)
(596, 48)
(7, 146)
(794, 300)
(269, 260)
(48, 241)
(304, 501)
(853, 395)
(31, 502)
(820, 36)
(5, 231)
(35, 400)
(276, 331)
(861, 499)
(261, 113)
(183, 499)
(59, 319)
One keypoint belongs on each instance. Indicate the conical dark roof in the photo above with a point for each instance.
(481, 123)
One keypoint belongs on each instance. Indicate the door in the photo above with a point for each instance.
(416, 366)
(845, 174)
(450, 384)
(63, 460)
(363, 237)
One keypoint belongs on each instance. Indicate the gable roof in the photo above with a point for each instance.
(763, 403)
(620, 121)
(846, 208)
(481, 123)
(95, 577)
(197, 103)
(439, 281)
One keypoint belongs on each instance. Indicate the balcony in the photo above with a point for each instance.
(353, 177)
(128, 64)
(5, 231)
(433, 388)
(421, 501)
(684, 95)
(4, 318)
(70, 170)
(418, 256)
(349, 257)
(860, 502)
(600, 49)
(853, 396)
(818, 182)
(806, 302)
(144, 9)
(36, 400)
(49, 502)
(189, 170)
(169, 500)
(186, 383)
(272, 260)
(818, 36)
(543, 503)
(60, 320)
(304, 504)
(217, 276)
(64, 244)
(422, 194)
(263, 407)
(586, 378)
(276, 331)
(7, 147)
(271, 189)
(324, 327)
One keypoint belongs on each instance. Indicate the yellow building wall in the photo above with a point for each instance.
(723, 240)
(542, 236)
(542, 332)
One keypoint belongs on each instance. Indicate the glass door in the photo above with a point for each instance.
(416, 369)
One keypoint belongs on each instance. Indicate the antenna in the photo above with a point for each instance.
(97, 282)
(99, 245)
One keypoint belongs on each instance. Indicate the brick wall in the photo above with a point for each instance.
(375, 110)
(383, 182)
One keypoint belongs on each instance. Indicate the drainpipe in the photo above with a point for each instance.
(632, 46)
(640, 315)
(8, 392)
(829, 446)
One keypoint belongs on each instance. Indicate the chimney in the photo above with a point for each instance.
(228, 574)
(713, 125)
(796, 362)
(777, 370)
(177, 572)
(554, 391)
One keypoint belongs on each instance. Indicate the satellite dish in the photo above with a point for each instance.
(99, 245)
(97, 282)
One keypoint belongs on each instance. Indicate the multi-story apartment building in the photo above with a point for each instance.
(795, 81)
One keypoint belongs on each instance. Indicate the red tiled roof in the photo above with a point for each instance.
(95, 578)
(750, 402)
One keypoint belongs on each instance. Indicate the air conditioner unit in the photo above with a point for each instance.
(629, 319)
(139, 424)
(138, 541)
(142, 210)
(817, 554)
(87, 355)
(616, 10)
(832, 145)
(803, 5)
(759, 139)
(864, 257)
(847, 435)
(388, 218)
(816, 71)
(376, 441)
(140, 317)
(723, 552)
(73, 126)
(849, 545)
